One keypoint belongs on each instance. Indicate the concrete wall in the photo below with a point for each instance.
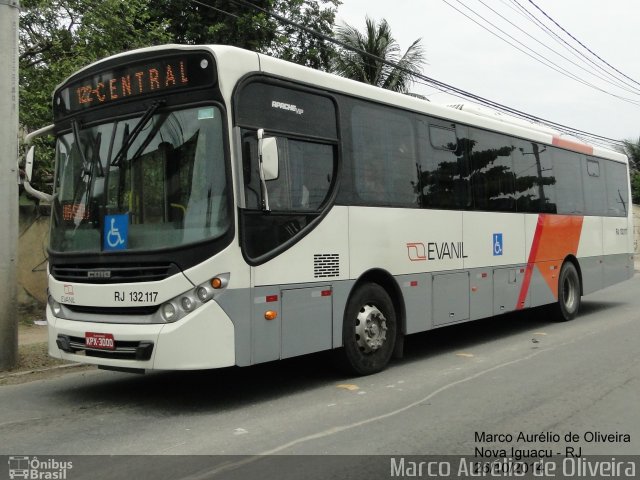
(636, 229)
(32, 251)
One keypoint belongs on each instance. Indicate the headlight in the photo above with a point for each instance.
(169, 312)
(187, 303)
(203, 294)
(182, 305)
(56, 308)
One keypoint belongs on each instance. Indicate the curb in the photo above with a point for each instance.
(41, 370)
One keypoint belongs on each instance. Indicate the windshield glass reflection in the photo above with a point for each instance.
(167, 188)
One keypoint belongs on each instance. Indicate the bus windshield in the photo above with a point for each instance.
(167, 187)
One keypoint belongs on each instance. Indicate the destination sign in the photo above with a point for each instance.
(167, 74)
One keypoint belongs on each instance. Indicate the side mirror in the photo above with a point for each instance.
(270, 160)
(268, 163)
(28, 166)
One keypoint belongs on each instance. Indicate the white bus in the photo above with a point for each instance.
(215, 207)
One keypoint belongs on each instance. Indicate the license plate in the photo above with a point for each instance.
(103, 341)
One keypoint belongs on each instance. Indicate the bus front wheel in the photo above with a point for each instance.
(368, 330)
(568, 292)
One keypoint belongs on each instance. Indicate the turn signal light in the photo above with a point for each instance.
(216, 283)
(270, 315)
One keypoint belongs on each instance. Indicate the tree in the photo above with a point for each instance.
(298, 46)
(223, 21)
(635, 187)
(231, 23)
(59, 37)
(632, 150)
(371, 50)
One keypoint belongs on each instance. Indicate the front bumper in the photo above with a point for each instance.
(203, 339)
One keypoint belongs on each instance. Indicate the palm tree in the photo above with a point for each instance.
(632, 150)
(365, 59)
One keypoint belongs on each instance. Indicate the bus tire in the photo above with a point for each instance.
(568, 293)
(368, 330)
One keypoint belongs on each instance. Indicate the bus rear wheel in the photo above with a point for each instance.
(568, 293)
(368, 330)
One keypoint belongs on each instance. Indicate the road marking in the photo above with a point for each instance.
(207, 474)
(348, 386)
(342, 428)
(466, 355)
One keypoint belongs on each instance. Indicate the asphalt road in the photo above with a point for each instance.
(542, 386)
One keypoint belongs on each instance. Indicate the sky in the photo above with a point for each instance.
(462, 54)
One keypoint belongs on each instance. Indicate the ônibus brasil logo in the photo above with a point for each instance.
(32, 468)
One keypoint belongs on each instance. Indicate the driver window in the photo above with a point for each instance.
(305, 174)
(304, 178)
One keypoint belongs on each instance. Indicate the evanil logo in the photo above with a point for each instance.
(421, 252)
(286, 106)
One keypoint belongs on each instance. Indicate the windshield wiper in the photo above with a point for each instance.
(75, 128)
(136, 131)
(95, 158)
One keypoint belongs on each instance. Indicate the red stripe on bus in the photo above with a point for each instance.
(572, 145)
(530, 263)
(556, 236)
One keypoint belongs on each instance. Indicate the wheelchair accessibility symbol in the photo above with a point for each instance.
(497, 244)
(116, 232)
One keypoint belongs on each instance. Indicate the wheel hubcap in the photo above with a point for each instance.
(569, 294)
(371, 329)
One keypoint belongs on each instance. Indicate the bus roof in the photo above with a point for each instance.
(469, 114)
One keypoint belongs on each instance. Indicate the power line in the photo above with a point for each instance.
(633, 89)
(215, 8)
(525, 116)
(550, 64)
(582, 44)
(561, 41)
(425, 80)
(520, 10)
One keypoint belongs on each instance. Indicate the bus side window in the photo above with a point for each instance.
(384, 157)
(250, 169)
(491, 171)
(305, 175)
(617, 188)
(568, 171)
(306, 172)
(444, 181)
(594, 186)
(534, 191)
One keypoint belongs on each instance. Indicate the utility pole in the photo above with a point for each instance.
(9, 17)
